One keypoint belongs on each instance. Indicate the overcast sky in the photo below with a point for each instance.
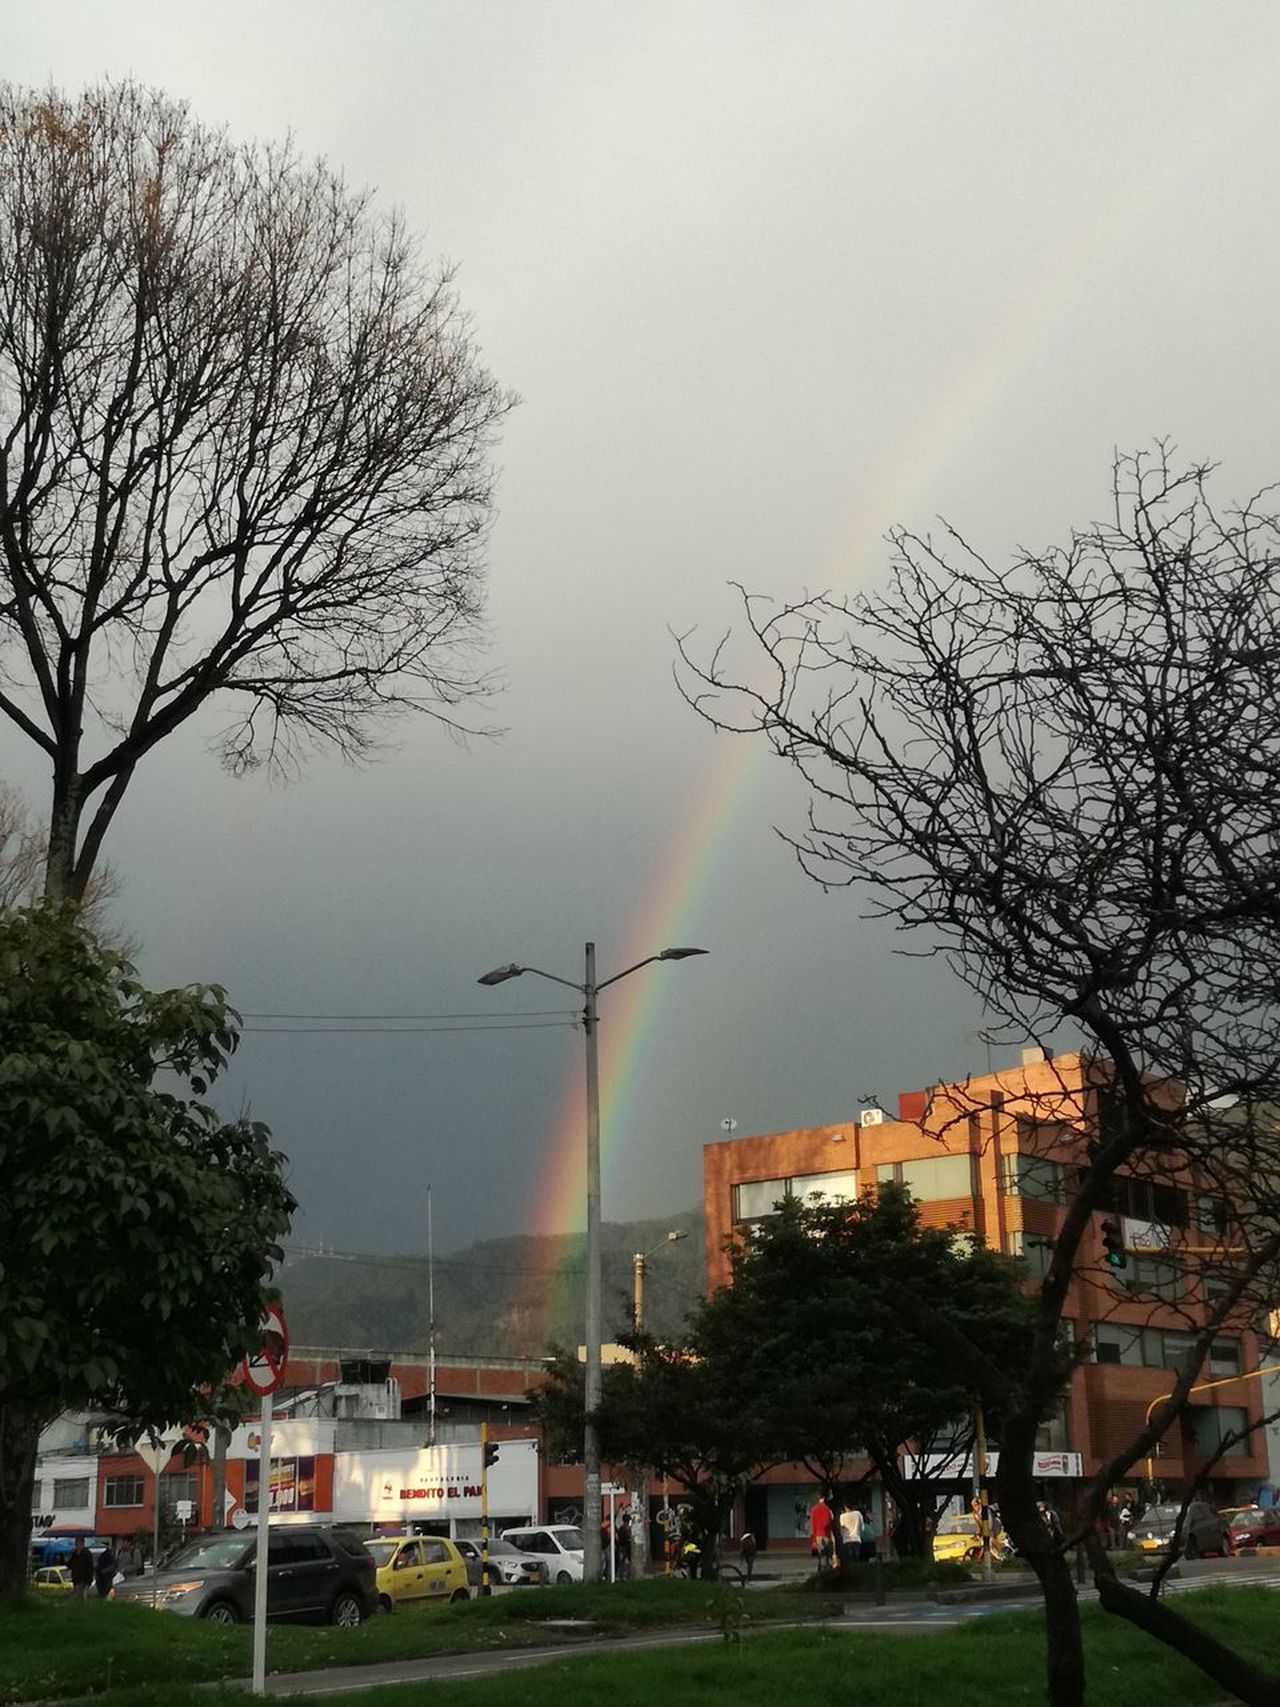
(769, 278)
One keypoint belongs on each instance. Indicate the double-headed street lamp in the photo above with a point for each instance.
(590, 990)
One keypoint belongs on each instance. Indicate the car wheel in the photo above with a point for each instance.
(221, 1612)
(386, 1603)
(457, 1595)
(563, 1578)
(346, 1611)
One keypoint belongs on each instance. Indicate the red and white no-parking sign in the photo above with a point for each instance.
(264, 1369)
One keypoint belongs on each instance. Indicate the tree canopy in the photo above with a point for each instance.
(244, 453)
(138, 1229)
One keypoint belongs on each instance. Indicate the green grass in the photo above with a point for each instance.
(54, 1646)
(127, 1656)
(997, 1658)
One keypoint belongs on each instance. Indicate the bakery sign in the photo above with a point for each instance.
(441, 1482)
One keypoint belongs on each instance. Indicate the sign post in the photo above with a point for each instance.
(264, 1371)
(155, 1454)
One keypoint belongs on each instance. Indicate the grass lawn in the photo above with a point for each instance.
(992, 1658)
(52, 1646)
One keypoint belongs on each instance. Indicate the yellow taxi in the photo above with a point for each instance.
(55, 1577)
(416, 1568)
(957, 1538)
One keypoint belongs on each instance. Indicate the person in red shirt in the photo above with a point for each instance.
(821, 1528)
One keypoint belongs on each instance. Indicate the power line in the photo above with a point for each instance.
(477, 1265)
(398, 1030)
(487, 1013)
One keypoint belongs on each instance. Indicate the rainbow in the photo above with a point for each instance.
(627, 1012)
(980, 380)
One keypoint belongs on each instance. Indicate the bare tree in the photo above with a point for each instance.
(244, 453)
(1061, 773)
(24, 853)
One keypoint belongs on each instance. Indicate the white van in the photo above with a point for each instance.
(557, 1545)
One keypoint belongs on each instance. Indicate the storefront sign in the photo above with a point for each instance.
(440, 1483)
(958, 1466)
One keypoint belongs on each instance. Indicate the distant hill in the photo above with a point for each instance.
(499, 1297)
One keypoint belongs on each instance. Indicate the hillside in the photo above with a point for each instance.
(499, 1297)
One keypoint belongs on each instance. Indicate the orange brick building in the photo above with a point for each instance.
(995, 1154)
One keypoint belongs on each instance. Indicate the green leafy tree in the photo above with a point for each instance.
(137, 1228)
(813, 1326)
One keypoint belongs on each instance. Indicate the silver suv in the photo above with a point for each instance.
(314, 1574)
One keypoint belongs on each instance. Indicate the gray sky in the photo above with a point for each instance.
(769, 278)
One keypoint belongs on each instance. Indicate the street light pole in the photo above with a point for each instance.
(640, 1472)
(590, 989)
(592, 1512)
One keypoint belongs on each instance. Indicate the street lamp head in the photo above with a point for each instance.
(681, 953)
(500, 974)
(677, 1233)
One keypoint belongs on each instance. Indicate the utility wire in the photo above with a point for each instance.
(486, 1013)
(400, 1030)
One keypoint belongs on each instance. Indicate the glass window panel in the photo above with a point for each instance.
(754, 1198)
(1114, 1342)
(1031, 1176)
(929, 1178)
(1224, 1357)
(1211, 1424)
(71, 1491)
(835, 1187)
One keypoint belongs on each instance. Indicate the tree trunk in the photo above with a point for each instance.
(1064, 1655)
(64, 831)
(19, 1439)
(1246, 1682)
(910, 1533)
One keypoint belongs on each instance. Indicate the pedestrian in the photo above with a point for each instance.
(870, 1534)
(850, 1535)
(748, 1549)
(104, 1572)
(821, 1532)
(606, 1546)
(622, 1546)
(81, 1563)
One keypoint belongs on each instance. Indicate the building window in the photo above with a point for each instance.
(1155, 1275)
(1146, 1200)
(36, 1489)
(931, 1178)
(177, 1485)
(1022, 1175)
(1212, 1215)
(1052, 1436)
(754, 1199)
(1114, 1342)
(71, 1493)
(1212, 1424)
(1224, 1357)
(1034, 1252)
(832, 1188)
(122, 1490)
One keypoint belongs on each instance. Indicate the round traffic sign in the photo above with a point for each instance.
(264, 1369)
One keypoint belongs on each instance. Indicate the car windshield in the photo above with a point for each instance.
(383, 1551)
(956, 1526)
(1161, 1514)
(570, 1539)
(504, 1548)
(214, 1553)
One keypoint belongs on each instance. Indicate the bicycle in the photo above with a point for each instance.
(717, 1571)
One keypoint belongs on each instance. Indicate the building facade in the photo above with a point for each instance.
(994, 1155)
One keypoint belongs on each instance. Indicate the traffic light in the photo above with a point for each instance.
(490, 1454)
(1113, 1245)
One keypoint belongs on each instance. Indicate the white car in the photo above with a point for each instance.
(557, 1545)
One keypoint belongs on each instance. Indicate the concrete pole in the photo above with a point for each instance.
(592, 1512)
(639, 1473)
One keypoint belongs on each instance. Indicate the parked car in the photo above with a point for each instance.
(958, 1538)
(1254, 1527)
(1203, 1530)
(314, 1574)
(557, 1545)
(53, 1577)
(507, 1564)
(417, 1568)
